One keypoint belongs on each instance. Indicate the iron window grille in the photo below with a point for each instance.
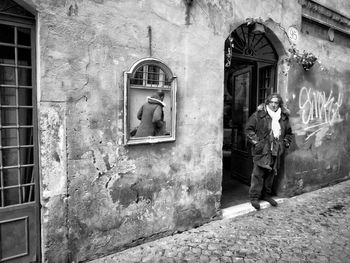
(151, 76)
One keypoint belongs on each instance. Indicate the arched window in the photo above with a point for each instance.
(247, 43)
(149, 103)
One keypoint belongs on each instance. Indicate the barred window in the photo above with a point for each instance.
(150, 76)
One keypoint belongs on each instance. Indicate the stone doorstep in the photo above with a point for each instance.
(245, 208)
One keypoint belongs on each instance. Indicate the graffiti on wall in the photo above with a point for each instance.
(319, 111)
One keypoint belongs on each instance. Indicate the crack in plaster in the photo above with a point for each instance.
(109, 163)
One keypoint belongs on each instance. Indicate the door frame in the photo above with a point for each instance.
(28, 212)
(243, 158)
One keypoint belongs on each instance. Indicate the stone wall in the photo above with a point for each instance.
(99, 196)
(319, 104)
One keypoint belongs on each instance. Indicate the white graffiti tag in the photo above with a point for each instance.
(317, 110)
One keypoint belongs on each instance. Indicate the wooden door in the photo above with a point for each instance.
(19, 202)
(242, 88)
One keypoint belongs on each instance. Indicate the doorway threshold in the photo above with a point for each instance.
(245, 208)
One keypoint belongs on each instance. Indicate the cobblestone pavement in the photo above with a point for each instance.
(313, 227)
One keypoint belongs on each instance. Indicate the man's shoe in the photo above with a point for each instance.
(255, 204)
(270, 200)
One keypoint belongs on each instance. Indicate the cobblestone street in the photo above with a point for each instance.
(313, 227)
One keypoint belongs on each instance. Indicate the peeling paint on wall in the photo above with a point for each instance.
(100, 196)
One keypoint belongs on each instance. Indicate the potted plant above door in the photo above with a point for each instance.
(305, 59)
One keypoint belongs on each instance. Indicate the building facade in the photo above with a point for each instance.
(77, 183)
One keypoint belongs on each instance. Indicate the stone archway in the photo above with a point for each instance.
(251, 74)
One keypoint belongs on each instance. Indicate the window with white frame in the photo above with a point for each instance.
(149, 103)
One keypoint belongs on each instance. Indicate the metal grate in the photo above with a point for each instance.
(251, 45)
(17, 183)
(151, 76)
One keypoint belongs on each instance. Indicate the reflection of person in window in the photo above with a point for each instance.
(151, 115)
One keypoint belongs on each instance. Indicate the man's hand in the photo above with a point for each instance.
(286, 143)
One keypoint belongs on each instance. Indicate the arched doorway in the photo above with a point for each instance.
(250, 76)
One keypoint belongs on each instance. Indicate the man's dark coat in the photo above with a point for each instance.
(259, 134)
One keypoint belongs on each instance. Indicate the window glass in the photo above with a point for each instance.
(24, 77)
(266, 82)
(7, 55)
(28, 193)
(8, 137)
(26, 174)
(10, 177)
(8, 117)
(9, 157)
(241, 82)
(137, 79)
(7, 75)
(23, 36)
(153, 75)
(25, 136)
(25, 116)
(25, 97)
(150, 103)
(24, 57)
(26, 155)
(140, 101)
(7, 96)
(7, 34)
(11, 196)
(17, 62)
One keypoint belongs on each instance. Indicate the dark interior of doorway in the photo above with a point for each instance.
(236, 162)
(247, 83)
(250, 76)
(234, 191)
(234, 185)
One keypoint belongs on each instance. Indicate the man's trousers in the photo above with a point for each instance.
(262, 181)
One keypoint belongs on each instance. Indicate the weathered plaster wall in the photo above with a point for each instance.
(342, 7)
(99, 196)
(53, 165)
(112, 196)
(319, 102)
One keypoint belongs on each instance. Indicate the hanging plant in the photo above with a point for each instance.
(305, 59)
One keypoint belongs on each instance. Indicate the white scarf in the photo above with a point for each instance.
(155, 100)
(276, 116)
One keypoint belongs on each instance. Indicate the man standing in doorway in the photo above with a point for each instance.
(269, 132)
